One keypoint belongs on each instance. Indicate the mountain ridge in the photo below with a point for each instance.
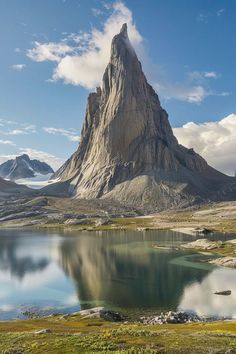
(23, 167)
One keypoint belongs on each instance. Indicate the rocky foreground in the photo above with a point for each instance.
(24, 210)
(77, 333)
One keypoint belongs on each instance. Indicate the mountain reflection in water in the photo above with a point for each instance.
(119, 269)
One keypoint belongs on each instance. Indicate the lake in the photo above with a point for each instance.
(50, 271)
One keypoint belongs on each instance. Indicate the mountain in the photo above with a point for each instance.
(8, 188)
(128, 151)
(23, 167)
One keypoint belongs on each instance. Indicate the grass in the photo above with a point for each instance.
(226, 226)
(216, 216)
(75, 335)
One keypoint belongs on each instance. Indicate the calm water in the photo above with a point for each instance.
(62, 272)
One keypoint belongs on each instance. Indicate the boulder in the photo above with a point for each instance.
(203, 244)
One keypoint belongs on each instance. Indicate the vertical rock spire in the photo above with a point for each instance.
(127, 150)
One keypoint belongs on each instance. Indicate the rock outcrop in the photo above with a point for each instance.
(128, 151)
(227, 261)
(203, 244)
(23, 167)
(8, 188)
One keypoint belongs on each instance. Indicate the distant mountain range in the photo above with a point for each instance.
(23, 167)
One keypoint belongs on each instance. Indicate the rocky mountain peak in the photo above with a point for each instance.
(23, 167)
(124, 30)
(23, 157)
(127, 150)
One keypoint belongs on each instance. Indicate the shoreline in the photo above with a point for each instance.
(126, 225)
(62, 213)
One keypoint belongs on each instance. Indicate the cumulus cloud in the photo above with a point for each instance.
(18, 67)
(49, 51)
(80, 58)
(84, 61)
(70, 134)
(215, 141)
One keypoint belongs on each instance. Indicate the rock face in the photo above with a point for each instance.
(128, 151)
(203, 244)
(23, 167)
(8, 188)
(227, 261)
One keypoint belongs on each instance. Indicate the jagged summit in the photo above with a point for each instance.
(128, 151)
(124, 30)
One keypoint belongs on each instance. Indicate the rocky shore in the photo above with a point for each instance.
(175, 318)
(226, 249)
(169, 317)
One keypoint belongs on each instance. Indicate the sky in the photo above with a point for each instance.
(53, 53)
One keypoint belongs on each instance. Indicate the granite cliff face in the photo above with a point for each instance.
(128, 151)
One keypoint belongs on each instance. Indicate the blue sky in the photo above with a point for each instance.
(54, 52)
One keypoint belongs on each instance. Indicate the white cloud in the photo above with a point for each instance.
(220, 12)
(48, 51)
(182, 92)
(215, 141)
(70, 134)
(201, 76)
(17, 50)
(7, 142)
(5, 157)
(80, 58)
(194, 89)
(84, 63)
(18, 67)
(211, 74)
(24, 129)
(44, 156)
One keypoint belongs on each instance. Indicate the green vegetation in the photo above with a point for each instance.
(75, 335)
(56, 215)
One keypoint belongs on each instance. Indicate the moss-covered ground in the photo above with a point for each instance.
(75, 335)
